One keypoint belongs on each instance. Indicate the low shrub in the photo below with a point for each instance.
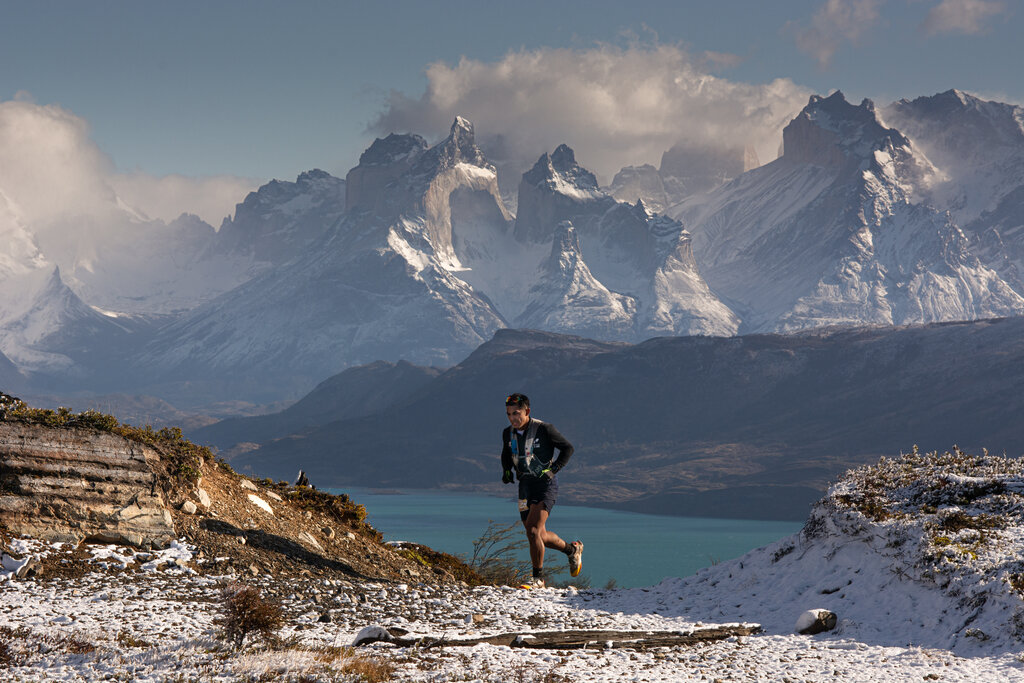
(247, 613)
(495, 551)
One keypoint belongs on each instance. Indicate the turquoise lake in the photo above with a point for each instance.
(633, 548)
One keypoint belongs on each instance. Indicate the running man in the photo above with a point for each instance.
(527, 450)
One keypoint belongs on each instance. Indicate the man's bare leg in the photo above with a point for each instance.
(539, 537)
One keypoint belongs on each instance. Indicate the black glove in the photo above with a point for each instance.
(507, 477)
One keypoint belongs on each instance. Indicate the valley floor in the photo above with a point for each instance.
(152, 618)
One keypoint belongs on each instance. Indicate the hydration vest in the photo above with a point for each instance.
(527, 463)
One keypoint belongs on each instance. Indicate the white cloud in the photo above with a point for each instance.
(837, 22)
(48, 165)
(50, 169)
(614, 106)
(166, 197)
(961, 16)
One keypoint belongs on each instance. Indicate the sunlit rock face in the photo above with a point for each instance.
(68, 485)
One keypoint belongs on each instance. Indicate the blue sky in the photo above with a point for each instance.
(255, 90)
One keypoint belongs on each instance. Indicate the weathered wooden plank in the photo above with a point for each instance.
(578, 640)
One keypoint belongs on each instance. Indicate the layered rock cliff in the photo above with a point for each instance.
(73, 484)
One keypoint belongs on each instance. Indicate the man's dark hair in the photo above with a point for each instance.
(520, 400)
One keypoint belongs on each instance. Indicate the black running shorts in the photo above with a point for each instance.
(536, 491)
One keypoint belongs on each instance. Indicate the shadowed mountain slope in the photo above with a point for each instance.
(752, 426)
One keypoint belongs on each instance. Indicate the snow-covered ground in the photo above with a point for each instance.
(932, 595)
(156, 625)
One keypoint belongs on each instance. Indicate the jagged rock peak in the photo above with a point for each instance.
(830, 131)
(462, 128)
(566, 240)
(393, 148)
(458, 148)
(276, 191)
(1005, 121)
(561, 165)
(837, 114)
(312, 176)
(952, 99)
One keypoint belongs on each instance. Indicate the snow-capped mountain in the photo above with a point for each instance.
(426, 264)
(41, 318)
(979, 147)
(637, 264)
(566, 295)
(123, 263)
(415, 255)
(80, 289)
(282, 220)
(377, 285)
(836, 231)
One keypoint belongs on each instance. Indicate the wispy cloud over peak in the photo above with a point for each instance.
(615, 106)
(962, 16)
(50, 168)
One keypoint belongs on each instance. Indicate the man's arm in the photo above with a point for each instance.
(565, 449)
(506, 454)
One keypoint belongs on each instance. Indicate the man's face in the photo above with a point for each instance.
(518, 416)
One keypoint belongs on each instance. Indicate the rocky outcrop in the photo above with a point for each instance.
(72, 484)
(382, 164)
(558, 189)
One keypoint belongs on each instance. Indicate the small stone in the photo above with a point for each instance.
(372, 634)
(189, 508)
(28, 568)
(274, 496)
(308, 515)
(304, 536)
(254, 570)
(350, 536)
(328, 532)
(325, 618)
(815, 621)
(479, 618)
(203, 497)
(240, 539)
(246, 484)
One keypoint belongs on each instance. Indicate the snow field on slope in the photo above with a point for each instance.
(168, 616)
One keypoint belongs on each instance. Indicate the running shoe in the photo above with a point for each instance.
(535, 582)
(575, 558)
